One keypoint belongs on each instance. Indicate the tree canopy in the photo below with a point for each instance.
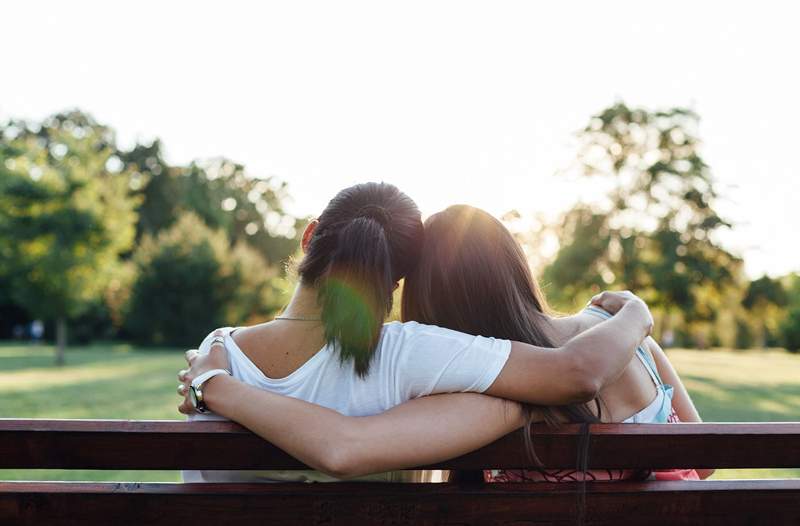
(66, 214)
(652, 225)
(75, 208)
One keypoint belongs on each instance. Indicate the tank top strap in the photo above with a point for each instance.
(597, 312)
(649, 365)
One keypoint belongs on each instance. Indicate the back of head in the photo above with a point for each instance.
(473, 277)
(368, 237)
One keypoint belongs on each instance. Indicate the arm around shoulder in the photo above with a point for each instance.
(418, 432)
(577, 371)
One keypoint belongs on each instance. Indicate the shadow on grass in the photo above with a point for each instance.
(147, 394)
(723, 401)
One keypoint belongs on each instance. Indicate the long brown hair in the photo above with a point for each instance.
(368, 237)
(472, 276)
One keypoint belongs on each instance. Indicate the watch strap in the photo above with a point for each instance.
(206, 376)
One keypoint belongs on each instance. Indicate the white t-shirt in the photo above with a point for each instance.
(410, 361)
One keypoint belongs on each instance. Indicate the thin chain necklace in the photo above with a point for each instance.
(298, 318)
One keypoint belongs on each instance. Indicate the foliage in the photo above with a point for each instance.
(578, 266)
(12, 315)
(249, 209)
(652, 230)
(789, 329)
(190, 281)
(764, 292)
(765, 300)
(65, 214)
(744, 335)
(74, 205)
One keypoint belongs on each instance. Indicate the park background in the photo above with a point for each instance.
(157, 165)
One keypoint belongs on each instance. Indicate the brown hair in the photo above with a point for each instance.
(368, 237)
(472, 276)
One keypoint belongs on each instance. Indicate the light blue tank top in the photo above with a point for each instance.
(659, 410)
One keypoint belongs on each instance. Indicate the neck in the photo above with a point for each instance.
(303, 303)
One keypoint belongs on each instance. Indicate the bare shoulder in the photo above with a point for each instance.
(569, 326)
(589, 317)
(255, 336)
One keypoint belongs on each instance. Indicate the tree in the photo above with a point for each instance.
(250, 209)
(12, 316)
(790, 326)
(652, 228)
(221, 192)
(790, 330)
(579, 266)
(158, 186)
(190, 281)
(765, 299)
(66, 215)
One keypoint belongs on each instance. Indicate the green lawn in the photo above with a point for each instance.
(99, 381)
(119, 381)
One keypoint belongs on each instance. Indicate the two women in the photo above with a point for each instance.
(330, 345)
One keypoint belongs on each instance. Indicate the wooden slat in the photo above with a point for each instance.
(656, 503)
(119, 444)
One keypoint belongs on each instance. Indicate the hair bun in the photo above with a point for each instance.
(376, 212)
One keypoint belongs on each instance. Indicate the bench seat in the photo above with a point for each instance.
(746, 502)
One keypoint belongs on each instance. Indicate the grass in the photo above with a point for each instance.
(743, 386)
(120, 381)
(98, 381)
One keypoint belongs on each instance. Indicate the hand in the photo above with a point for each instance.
(217, 358)
(613, 302)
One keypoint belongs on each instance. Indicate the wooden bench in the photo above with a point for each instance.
(146, 445)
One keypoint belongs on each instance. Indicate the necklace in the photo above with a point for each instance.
(297, 318)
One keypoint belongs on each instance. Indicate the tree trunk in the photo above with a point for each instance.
(61, 340)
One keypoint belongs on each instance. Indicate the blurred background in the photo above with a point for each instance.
(158, 162)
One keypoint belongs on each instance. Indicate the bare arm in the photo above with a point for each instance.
(681, 401)
(577, 371)
(415, 433)
(433, 428)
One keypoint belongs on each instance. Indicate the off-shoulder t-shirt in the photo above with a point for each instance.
(411, 360)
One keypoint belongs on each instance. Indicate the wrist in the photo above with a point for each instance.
(640, 310)
(213, 390)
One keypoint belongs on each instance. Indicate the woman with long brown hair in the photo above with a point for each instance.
(468, 271)
(469, 255)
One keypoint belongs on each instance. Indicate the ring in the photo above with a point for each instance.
(218, 340)
(182, 389)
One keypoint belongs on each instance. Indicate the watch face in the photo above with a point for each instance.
(196, 396)
(193, 397)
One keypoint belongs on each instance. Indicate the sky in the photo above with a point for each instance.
(454, 102)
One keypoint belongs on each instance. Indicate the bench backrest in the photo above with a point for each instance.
(74, 444)
(119, 444)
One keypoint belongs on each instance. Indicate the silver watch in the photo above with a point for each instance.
(196, 388)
